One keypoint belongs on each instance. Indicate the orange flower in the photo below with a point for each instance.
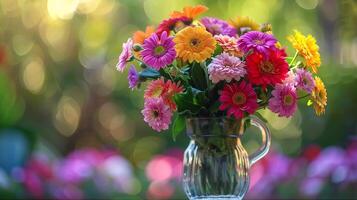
(190, 11)
(165, 90)
(194, 44)
(140, 36)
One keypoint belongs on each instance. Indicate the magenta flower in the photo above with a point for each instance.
(238, 99)
(257, 41)
(304, 80)
(133, 77)
(158, 52)
(157, 114)
(284, 100)
(226, 67)
(217, 26)
(125, 55)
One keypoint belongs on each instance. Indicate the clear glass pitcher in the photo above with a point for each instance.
(216, 165)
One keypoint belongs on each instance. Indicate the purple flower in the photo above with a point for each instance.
(284, 100)
(158, 52)
(133, 77)
(217, 26)
(257, 41)
(125, 55)
(304, 80)
(226, 67)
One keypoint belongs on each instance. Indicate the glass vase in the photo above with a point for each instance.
(216, 165)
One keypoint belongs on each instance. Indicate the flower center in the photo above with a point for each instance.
(239, 98)
(195, 42)
(155, 113)
(258, 42)
(288, 100)
(227, 63)
(159, 50)
(305, 81)
(267, 67)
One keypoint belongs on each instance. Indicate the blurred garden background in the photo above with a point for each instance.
(70, 128)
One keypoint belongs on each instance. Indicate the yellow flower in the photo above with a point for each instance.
(307, 48)
(241, 23)
(194, 44)
(319, 96)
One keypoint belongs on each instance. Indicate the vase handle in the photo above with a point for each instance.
(264, 148)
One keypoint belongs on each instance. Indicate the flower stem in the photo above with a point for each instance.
(303, 96)
(294, 58)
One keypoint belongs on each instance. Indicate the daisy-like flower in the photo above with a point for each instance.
(229, 45)
(267, 70)
(304, 80)
(244, 24)
(217, 26)
(190, 11)
(194, 44)
(158, 52)
(238, 99)
(165, 90)
(176, 24)
(284, 100)
(140, 36)
(157, 114)
(226, 67)
(307, 48)
(133, 77)
(257, 41)
(125, 55)
(319, 96)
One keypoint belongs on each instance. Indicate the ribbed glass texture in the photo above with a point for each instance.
(216, 165)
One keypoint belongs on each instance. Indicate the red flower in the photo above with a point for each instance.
(267, 70)
(237, 99)
(173, 23)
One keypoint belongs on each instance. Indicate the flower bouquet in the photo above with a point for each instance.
(213, 74)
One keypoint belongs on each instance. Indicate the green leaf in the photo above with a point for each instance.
(214, 107)
(185, 103)
(199, 76)
(164, 73)
(185, 70)
(218, 50)
(149, 73)
(178, 126)
(201, 99)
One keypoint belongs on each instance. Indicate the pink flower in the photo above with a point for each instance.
(125, 55)
(284, 100)
(157, 114)
(304, 80)
(226, 67)
(229, 45)
(238, 99)
(290, 78)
